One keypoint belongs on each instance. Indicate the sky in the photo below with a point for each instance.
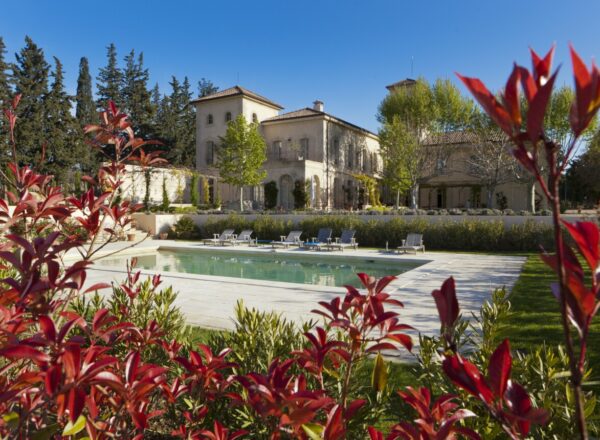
(293, 52)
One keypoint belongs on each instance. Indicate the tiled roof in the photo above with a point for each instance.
(234, 91)
(459, 137)
(310, 112)
(403, 83)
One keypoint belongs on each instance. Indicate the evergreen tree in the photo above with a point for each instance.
(5, 95)
(206, 87)
(186, 140)
(135, 93)
(85, 109)
(30, 77)
(60, 130)
(109, 81)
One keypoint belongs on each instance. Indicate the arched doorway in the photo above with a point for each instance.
(286, 197)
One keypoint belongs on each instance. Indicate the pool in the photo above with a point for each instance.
(311, 269)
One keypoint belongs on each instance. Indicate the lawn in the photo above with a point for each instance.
(536, 319)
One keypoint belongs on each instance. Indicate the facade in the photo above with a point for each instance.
(308, 146)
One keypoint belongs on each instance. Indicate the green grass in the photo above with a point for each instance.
(536, 313)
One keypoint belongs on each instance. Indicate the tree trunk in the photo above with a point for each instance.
(241, 198)
(397, 199)
(414, 196)
(532, 197)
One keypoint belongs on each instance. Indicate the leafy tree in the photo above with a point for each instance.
(241, 155)
(396, 146)
(414, 113)
(134, 91)
(582, 178)
(30, 77)
(370, 188)
(109, 81)
(490, 160)
(60, 128)
(206, 87)
(85, 108)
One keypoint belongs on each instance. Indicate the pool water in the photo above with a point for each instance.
(323, 271)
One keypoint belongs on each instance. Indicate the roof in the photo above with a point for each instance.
(402, 83)
(460, 137)
(310, 113)
(236, 91)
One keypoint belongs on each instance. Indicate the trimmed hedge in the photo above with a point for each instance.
(465, 235)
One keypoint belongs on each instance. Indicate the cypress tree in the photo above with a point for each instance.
(186, 141)
(136, 97)
(109, 81)
(206, 87)
(30, 77)
(85, 110)
(61, 150)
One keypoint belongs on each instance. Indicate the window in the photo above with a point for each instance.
(374, 163)
(254, 117)
(350, 157)
(227, 116)
(440, 165)
(276, 150)
(303, 149)
(365, 161)
(210, 153)
(336, 151)
(209, 119)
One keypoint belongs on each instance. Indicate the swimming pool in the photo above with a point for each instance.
(309, 269)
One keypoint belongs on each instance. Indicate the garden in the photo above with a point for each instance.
(118, 360)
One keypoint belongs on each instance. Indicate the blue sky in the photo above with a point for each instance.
(342, 52)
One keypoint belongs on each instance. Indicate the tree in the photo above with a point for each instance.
(410, 116)
(301, 194)
(5, 95)
(30, 77)
(396, 144)
(490, 160)
(85, 108)
(582, 178)
(206, 87)
(136, 96)
(194, 193)
(60, 129)
(109, 81)
(241, 155)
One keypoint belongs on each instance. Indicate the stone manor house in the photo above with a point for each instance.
(310, 145)
(306, 145)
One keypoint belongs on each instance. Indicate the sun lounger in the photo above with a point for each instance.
(346, 240)
(293, 239)
(218, 239)
(244, 237)
(322, 239)
(413, 242)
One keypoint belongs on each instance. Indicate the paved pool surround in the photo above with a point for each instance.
(208, 301)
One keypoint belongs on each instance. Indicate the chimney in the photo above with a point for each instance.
(318, 105)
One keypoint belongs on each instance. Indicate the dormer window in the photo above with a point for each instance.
(209, 119)
(227, 116)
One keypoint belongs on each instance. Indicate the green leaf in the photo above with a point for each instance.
(313, 431)
(380, 374)
(74, 428)
(46, 433)
(11, 419)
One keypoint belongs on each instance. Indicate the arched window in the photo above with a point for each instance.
(254, 117)
(227, 116)
(209, 119)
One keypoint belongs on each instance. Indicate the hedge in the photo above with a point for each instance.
(465, 235)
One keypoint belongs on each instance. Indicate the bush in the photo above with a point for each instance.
(185, 229)
(194, 193)
(271, 192)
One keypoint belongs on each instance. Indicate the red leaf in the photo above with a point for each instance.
(537, 109)
(542, 67)
(76, 402)
(446, 303)
(47, 326)
(25, 352)
(499, 368)
(466, 375)
(587, 238)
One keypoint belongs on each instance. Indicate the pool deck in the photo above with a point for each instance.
(208, 301)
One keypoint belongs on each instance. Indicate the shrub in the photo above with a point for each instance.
(194, 193)
(164, 206)
(185, 229)
(271, 192)
(300, 193)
